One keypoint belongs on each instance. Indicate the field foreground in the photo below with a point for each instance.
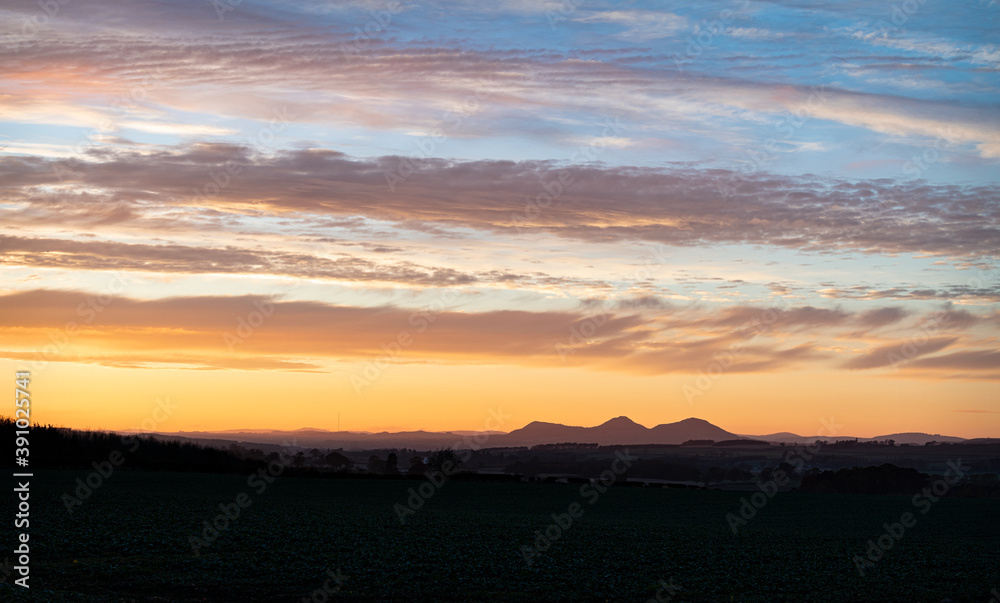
(130, 540)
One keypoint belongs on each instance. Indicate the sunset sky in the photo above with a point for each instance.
(762, 214)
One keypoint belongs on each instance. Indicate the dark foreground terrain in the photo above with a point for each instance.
(130, 540)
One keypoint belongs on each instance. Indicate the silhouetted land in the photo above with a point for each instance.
(720, 464)
(130, 540)
(153, 535)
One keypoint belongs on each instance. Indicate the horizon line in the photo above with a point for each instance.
(501, 432)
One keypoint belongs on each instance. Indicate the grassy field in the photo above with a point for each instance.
(130, 541)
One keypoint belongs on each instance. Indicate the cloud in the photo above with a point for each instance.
(984, 55)
(153, 360)
(976, 360)
(176, 128)
(949, 292)
(756, 33)
(177, 325)
(676, 206)
(752, 319)
(267, 59)
(214, 332)
(694, 358)
(881, 317)
(643, 302)
(190, 259)
(641, 25)
(898, 353)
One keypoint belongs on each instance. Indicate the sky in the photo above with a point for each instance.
(368, 215)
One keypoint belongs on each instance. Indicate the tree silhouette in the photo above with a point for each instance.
(444, 460)
(338, 461)
(417, 466)
(61, 448)
(376, 465)
(883, 479)
(390, 463)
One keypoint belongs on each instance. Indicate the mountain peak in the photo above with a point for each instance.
(621, 421)
(536, 426)
(539, 424)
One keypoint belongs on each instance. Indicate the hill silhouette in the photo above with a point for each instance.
(620, 430)
(617, 431)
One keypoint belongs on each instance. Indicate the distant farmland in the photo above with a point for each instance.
(131, 540)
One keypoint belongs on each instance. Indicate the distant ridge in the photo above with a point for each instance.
(899, 438)
(690, 429)
(619, 430)
(916, 438)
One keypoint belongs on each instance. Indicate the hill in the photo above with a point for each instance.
(619, 430)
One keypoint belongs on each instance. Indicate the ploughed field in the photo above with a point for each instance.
(134, 538)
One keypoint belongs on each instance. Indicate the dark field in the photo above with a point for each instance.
(130, 541)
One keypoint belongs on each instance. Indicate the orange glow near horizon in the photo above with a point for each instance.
(443, 397)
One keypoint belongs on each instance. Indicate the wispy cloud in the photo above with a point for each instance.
(680, 206)
(640, 25)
